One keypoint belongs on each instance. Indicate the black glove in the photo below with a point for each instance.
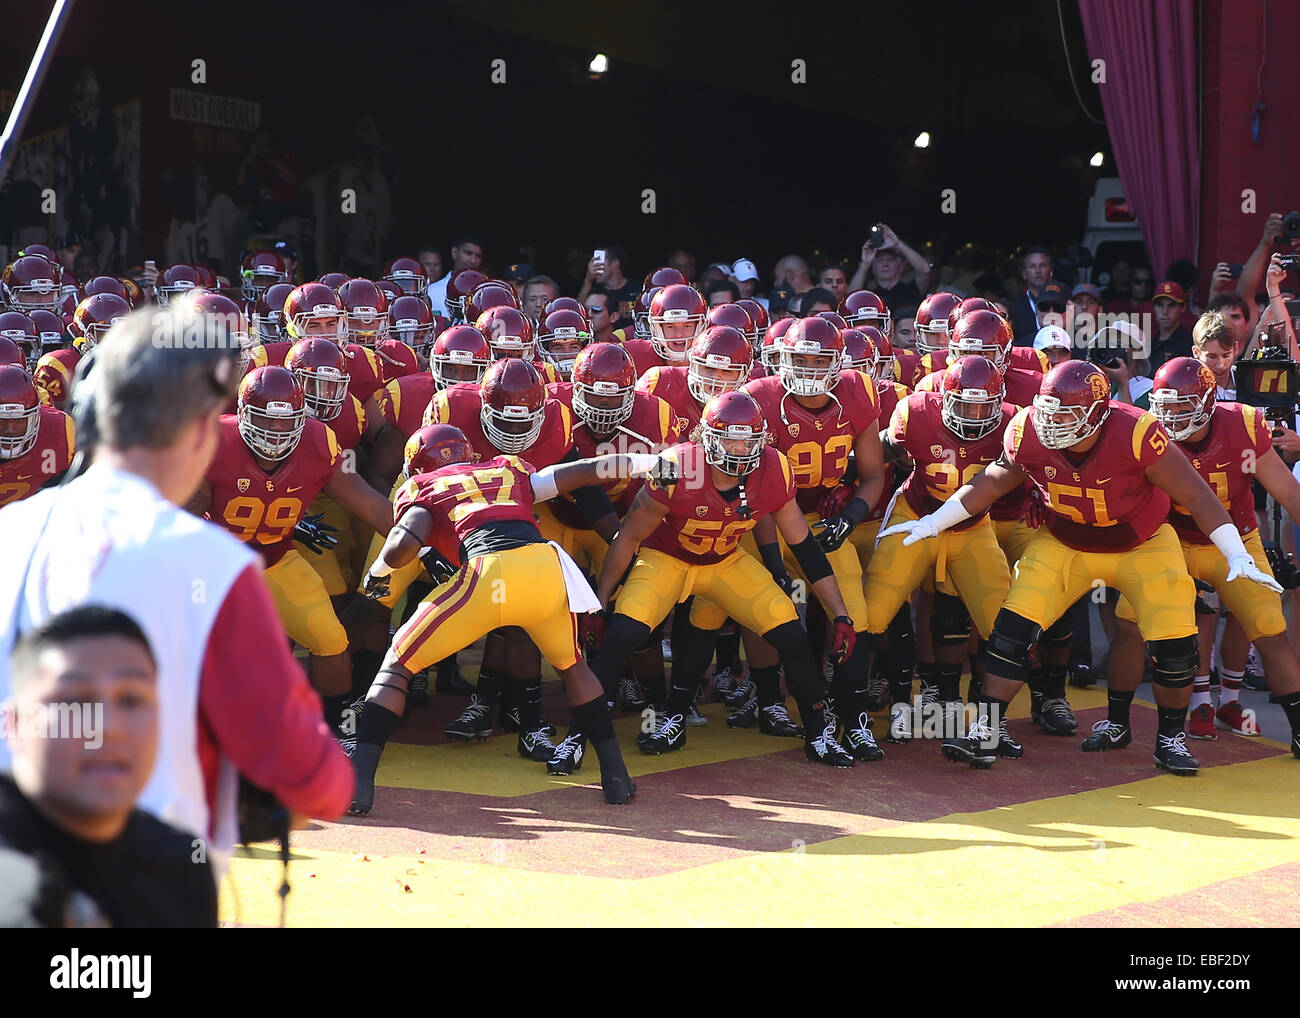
(437, 565)
(836, 530)
(314, 534)
(664, 473)
(377, 589)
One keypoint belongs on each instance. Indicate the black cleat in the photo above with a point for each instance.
(568, 756)
(535, 746)
(742, 694)
(1082, 675)
(775, 720)
(1171, 755)
(453, 685)
(745, 717)
(475, 722)
(860, 743)
(1295, 745)
(900, 723)
(878, 691)
(825, 750)
(1107, 735)
(724, 684)
(1008, 748)
(618, 789)
(365, 761)
(417, 691)
(669, 736)
(630, 697)
(977, 748)
(1052, 715)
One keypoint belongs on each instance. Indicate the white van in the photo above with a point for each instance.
(1111, 233)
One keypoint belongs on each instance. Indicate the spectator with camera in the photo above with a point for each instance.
(232, 699)
(1115, 349)
(884, 255)
(74, 850)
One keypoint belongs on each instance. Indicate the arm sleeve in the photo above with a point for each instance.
(257, 709)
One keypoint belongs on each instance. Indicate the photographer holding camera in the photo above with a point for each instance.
(231, 698)
(1114, 349)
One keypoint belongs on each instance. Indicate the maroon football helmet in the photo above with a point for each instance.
(94, 317)
(20, 412)
(1072, 404)
(491, 294)
(365, 309)
(408, 274)
(459, 287)
(322, 371)
(461, 354)
(31, 282)
(106, 284)
(932, 322)
(733, 433)
(983, 333)
(718, 361)
(604, 384)
(315, 311)
(259, 271)
(561, 337)
(334, 279)
(972, 397)
(410, 319)
(758, 315)
(680, 310)
(174, 281)
(1183, 397)
(514, 404)
(664, 276)
(509, 331)
(862, 307)
(809, 357)
(860, 349)
(272, 412)
(435, 446)
(20, 330)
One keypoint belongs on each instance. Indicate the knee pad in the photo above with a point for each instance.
(949, 621)
(1059, 633)
(1008, 650)
(1176, 662)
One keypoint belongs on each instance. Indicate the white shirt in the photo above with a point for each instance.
(110, 538)
(438, 295)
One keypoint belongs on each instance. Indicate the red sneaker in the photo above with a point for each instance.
(1200, 723)
(1231, 718)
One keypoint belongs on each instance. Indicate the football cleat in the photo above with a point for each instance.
(1107, 735)
(1231, 718)
(568, 755)
(669, 736)
(1082, 675)
(417, 692)
(1052, 715)
(630, 697)
(745, 689)
(1171, 755)
(693, 717)
(860, 743)
(972, 749)
(724, 684)
(900, 723)
(536, 746)
(878, 691)
(1008, 748)
(1295, 745)
(774, 719)
(618, 789)
(1200, 723)
(825, 750)
(744, 717)
(475, 722)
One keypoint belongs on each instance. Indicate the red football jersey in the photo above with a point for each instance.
(944, 462)
(669, 384)
(651, 428)
(908, 368)
(1225, 459)
(644, 355)
(56, 441)
(1026, 358)
(1019, 386)
(363, 370)
(466, 496)
(817, 442)
(350, 424)
(462, 405)
(269, 353)
(1101, 501)
(54, 373)
(402, 401)
(701, 526)
(889, 394)
(262, 508)
(547, 370)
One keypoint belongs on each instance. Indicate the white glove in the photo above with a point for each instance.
(1240, 562)
(947, 515)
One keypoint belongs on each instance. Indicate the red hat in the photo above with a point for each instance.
(1171, 291)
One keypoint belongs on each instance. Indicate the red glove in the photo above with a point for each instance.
(1035, 513)
(591, 630)
(834, 501)
(843, 640)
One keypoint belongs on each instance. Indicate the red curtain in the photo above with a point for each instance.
(1149, 98)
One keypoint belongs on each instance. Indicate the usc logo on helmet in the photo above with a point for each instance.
(1100, 388)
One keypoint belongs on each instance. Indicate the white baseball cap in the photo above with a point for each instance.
(1052, 335)
(744, 270)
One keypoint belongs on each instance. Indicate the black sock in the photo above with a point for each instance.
(929, 674)
(949, 681)
(995, 709)
(334, 708)
(1036, 680)
(447, 668)
(376, 724)
(593, 720)
(726, 650)
(365, 666)
(1054, 681)
(813, 715)
(1290, 704)
(1171, 720)
(530, 704)
(767, 681)
(1118, 703)
(489, 685)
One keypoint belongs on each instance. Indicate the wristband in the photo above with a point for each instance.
(856, 511)
(949, 514)
(380, 569)
(1228, 541)
(771, 556)
(641, 463)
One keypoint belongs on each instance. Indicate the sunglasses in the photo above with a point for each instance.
(1051, 307)
(595, 310)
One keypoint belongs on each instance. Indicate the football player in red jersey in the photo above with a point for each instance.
(272, 460)
(94, 317)
(1107, 480)
(719, 360)
(950, 437)
(19, 329)
(611, 416)
(459, 287)
(479, 517)
(561, 337)
(817, 416)
(36, 441)
(365, 312)
(30, 282)
(1229, 445)
(676, 317)
(683, 535)
(268, 324)
(932, 322)
(984, 333)
(510, 333)
(411, 320)
(314, 311)
(408, 274)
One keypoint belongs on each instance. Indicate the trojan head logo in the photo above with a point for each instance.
(936, 451)
(1207, 377)
(1050, 472)
(701, 511)
(683, 425)
(1100, 387)
(794, 430)
(242, 484)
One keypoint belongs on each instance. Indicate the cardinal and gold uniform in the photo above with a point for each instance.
(908, 367)
(966, 559)
(364, 373)
(272, 353)
(644, 355)
(1020, 385)
(670, 385)
(1224, 459)
(54, 374)
(696, 548)
(261, 509)
(863, 538)
(1105, 524)
(817, 444)
(333, 565)
(651, 428)
(402, 401)
(510, 576)
(56, 441)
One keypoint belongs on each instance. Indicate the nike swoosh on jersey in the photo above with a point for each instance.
(292, 490)
(1102, 480)
(1220, 466)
